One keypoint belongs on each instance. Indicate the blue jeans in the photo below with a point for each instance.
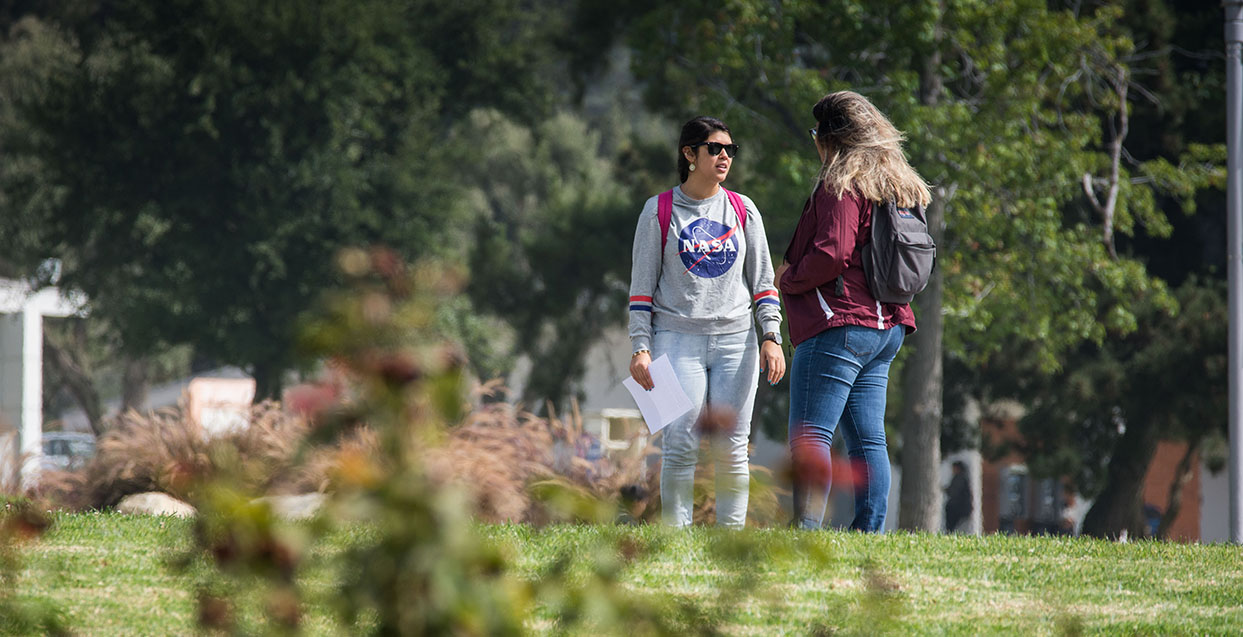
(839, 378)
(721, 370)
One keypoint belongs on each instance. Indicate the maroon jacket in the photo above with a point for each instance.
(825, 245)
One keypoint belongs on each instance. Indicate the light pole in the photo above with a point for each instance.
(1234, 250)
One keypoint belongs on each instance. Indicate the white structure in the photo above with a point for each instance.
(21, 372)
(221, 405)
(1214, 514)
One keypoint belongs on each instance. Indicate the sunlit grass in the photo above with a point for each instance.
(112, 575)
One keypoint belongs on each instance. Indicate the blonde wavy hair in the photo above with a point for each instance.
(865, 152)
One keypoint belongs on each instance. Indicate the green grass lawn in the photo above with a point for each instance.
(111, 575)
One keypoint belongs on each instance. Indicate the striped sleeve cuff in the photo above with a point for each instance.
(766, 297)
(640, 304)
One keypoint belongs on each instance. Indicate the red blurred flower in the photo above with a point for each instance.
(810, 466)
(24, 523)
(848, 472)
(397, 368)
(214, 611)
(386, 262)
(280, 555)
(717, 420)
(311, 399)
(225, 549)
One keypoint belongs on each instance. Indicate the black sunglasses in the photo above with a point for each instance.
(714, 148)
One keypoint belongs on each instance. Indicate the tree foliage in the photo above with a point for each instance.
(1016, 111)
(1100, 422)
(552, 241)
(197, 164)
(1118, 398)
(1016, 126)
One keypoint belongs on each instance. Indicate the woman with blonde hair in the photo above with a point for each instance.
(844, 339)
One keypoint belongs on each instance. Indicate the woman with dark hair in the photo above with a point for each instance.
(844, 338)
(701, 263)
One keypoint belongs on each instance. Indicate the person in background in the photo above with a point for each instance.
(694, 285)
(958, 504)
(844, 338)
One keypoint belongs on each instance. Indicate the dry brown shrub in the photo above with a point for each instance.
(155, 451)
(499, 452)
(494, 456)
(319, 471)
(166, 451)
(276, 460)
(763, 506)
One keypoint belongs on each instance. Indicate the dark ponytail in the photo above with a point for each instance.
(693, 132)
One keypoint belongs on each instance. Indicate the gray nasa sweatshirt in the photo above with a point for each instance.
(707, 275)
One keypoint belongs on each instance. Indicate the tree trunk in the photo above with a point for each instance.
(134, 384)
(922, 382)
(1119, 507)
(268, 383)
(69, 361)
(920, 498)
(1182, 475)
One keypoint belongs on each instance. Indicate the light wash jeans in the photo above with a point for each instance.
(721, 370)
(840, 377)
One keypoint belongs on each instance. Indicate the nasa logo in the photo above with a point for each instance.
(708, 249)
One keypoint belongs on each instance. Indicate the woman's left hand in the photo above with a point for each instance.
(772, 361)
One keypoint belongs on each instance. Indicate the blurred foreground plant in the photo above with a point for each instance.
(419, 565)
(22, 522)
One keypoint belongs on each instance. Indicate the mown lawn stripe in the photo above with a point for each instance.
(111, 575)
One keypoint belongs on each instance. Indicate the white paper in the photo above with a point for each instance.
(666, 402)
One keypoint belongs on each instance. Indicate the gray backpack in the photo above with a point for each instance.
(899, 259)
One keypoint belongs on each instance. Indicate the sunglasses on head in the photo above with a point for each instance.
(714, 148)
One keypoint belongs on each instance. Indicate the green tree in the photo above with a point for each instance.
(552, 241)
(1175, 119)
(1100, 423)
(1007, 107)
(196, 164)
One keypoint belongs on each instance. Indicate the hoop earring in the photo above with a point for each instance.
(692, 167)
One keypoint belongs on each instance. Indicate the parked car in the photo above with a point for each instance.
(66, 450)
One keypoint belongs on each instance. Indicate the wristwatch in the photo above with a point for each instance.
(771, 336)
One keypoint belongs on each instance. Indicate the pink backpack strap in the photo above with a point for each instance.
(740, 208)
(664, 212)
(664, 215)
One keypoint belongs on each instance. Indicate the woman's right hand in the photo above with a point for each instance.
(638, 369)
(781, 270)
